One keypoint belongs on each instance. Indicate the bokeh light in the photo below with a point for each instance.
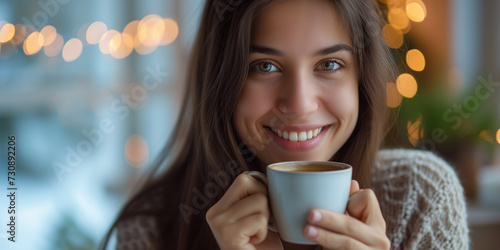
(407, 85)
(33, 43)
(171, 31)
(485, 135)
(49, 35)
(136, 151)
(393, 36)
(398, 18)
(415, 60)
(416, 10)
(109, 42)
(125, 48)
(415, 132)
(95, 31)
(72, 50)
(20, 34)
(7, 32)
(55, 47)
(498, 136)
(394, 99)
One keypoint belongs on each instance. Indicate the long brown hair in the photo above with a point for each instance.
(205, 152)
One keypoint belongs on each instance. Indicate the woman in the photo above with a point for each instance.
(291, 80)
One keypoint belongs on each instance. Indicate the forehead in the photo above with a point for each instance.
(300, 26)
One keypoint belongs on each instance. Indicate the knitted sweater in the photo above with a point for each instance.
(419, 194)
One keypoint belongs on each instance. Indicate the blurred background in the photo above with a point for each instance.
(91, 90)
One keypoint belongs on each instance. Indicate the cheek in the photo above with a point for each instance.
(344, 103)
(253, 104)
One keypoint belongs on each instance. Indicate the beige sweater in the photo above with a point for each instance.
(421, 199)
(420, 196)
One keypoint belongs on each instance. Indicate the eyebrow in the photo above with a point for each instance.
(325, 51)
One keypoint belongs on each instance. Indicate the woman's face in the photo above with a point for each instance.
(300, 100)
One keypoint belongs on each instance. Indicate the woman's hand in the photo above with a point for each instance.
(239, 219)
(363, 227)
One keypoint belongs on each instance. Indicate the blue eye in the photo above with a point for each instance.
(265, 67)
(329, 65)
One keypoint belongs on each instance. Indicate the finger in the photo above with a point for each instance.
(331, 240)
(242, 186)
(364, 206)
(354, 187)
(343, 225)
(253, 204)
(253, 227)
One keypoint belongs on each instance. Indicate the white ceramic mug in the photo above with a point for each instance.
(296, 187)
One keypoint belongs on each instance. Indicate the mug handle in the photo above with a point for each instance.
(262, 178)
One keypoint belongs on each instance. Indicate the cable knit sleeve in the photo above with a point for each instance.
(421, 199)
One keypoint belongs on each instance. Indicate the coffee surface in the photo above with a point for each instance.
(312, 167)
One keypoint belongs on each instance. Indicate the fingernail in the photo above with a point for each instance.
(316, 216)
(311, 232)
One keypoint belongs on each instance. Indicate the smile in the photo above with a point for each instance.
(297, 135)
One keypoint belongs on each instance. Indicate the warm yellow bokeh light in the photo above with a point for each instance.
(394, 99)
(416, 10)
(131, 28)
(125, 48)
(136, 151)
(171, 31)
(55, 47)
(20, 34)
(407, 85)
(415, 131)
(7, 32)
(415, 60)
(95, 31)
(109, 42)
(398, 18)
(49, 34)
(150, 31)
(72, 50)
(498, 136)
(114, 43)
(393, 36)
(33, 43)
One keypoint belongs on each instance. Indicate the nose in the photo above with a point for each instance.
(298, 95)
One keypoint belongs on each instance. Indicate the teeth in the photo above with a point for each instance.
(302, 136)
(297, 136)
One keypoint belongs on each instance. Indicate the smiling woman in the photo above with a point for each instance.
(293, 80)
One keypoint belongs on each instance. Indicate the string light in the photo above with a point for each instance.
(407, 85)
(49, 35)
(33, 43)
(95, 31)
(7, 32)
(416, 10)
(394, 99)
(72, 50)
(393, 36)
(498, 136)
(415, 60)
(136, 151)
(55, 47)
(415, 132)
(144, 36)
